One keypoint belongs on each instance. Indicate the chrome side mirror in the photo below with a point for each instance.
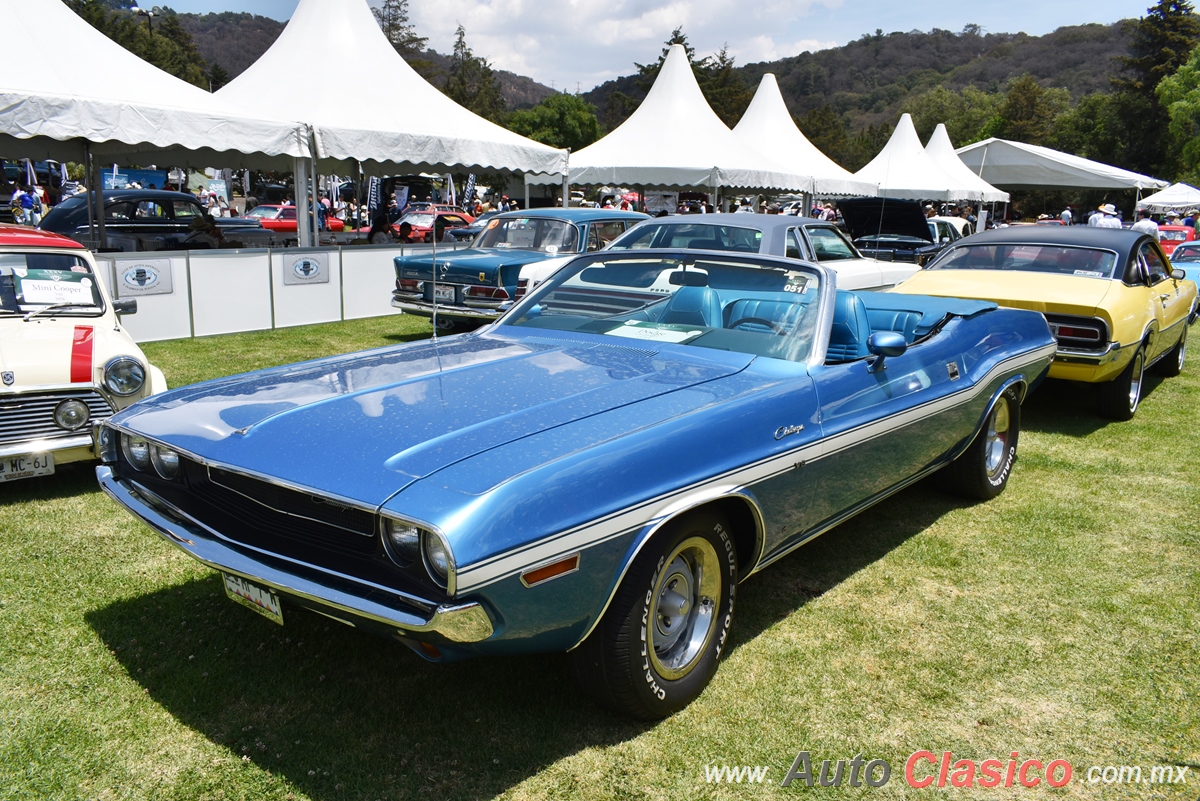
(1178, 274)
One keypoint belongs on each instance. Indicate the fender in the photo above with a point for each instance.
(1018, 382)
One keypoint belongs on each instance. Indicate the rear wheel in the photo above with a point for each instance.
(658, 644)
(982, 470)
(1120, 397)
(1172, 364)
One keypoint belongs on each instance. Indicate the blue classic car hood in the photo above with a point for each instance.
(470, 266)
(365, 426)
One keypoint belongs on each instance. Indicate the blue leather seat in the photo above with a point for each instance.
(781, 312)
(902, 322)
(693, 305)
(851, 328)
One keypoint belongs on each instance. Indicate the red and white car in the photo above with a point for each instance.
(66, 363)
(283, 219)
(1171, 236)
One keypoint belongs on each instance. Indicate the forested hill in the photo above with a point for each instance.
(235, 41)
(869, 80)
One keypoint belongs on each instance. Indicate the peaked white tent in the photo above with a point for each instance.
(903, 169)
(768, 127)
(1179, 197)
(675, 140)
(398, 118)
(1016, 165)
(942, 152)
(117, 105)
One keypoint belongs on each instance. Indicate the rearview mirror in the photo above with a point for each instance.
(125, 306)
(1178, 274)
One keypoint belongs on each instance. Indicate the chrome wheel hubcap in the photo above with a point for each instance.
(1135, 381)
(997, 438)
(685, 608)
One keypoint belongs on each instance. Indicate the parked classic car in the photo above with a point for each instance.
(423, 222)
(773, 234)
(1112, 298)
(150, 219)
(473, 284)
(473, 230)
(1185, 252)
(282, 219)
(65, 361)
(892, 229)
(1171, 236)
(595, 473)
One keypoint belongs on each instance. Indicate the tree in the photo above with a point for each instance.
(471, 82)
(217, 77)
(1180, 96)
(169, 47)
(965, 113)
(559, 121)
(827, 131)
(1028, 112)
(725, 90)
(393, 21)
(1160, 44)
(1092, 129)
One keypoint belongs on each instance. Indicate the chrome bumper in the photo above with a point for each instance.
(46, 445)
(423, 309)
(462, 623)
(1093, 357)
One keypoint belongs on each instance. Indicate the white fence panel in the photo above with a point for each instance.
(231, 291)
(306, 286)
(158, 281)
(368, 279)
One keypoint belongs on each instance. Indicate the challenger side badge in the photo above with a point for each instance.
(8, 378)
(787, 431)
(952, 369)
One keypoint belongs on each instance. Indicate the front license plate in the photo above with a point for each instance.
(261, 599)
(26, 465)
(443, 293)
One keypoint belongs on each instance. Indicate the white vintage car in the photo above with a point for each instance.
(65, 361)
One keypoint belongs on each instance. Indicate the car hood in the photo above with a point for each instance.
(873, 216)
(364, 426)
(1020, 289)
(39, 352)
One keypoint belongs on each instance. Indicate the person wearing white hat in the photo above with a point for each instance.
(1106, 218)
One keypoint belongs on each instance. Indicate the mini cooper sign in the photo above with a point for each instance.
(311, 268)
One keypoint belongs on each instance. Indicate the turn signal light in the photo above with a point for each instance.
(540, 575)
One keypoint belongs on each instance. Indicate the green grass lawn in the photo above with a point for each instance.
(1061, 621)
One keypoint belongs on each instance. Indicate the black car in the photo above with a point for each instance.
(469, 232)
(893, 229)
(154, 219)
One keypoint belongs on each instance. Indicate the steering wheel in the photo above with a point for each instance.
(774, 326)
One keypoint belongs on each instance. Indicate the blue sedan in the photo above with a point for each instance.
(595, 473)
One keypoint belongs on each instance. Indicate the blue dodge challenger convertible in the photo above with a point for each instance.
(594, 473)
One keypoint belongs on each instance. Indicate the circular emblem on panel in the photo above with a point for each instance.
(306, 268)
(8, 377)
(140, 276)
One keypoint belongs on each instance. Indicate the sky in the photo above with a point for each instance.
(575, 45)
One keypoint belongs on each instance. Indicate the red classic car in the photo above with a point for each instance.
(422, 223)
(283, 218)
(1173, 235)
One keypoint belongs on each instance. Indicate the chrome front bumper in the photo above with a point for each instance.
(341, 597)
(50, 445)
(424, 309)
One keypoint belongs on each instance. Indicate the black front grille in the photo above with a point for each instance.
(255, 496)
(31, 416)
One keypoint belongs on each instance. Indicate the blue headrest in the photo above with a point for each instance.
(693, 305)
(851, 328)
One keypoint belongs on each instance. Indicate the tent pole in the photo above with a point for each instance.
(566, 190)
(87, 180)
(300, 179)
(97, 182)
(526, 196)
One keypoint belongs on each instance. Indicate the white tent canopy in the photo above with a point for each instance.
(118, 104)
(395, 117)
(768, 127)
(942, 152)
(675, 140)
(1016, 165)
(903, 169)
(1177, 197)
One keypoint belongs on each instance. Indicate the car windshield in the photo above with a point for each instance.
(829, 244)
(529, 233)
(30, 282)
(263, 212)
(1174, 236)
(743, 305)
(418, 220)
(1037, 258)
(694, 236)
(1186, 253)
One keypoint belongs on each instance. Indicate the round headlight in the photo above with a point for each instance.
(166, 461)
(71, 414)
(136, 450)
(437, 561)
(403, 540)
(124, 375)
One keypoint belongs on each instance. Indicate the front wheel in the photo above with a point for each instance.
(1120, 397)
(982, 470)
(657, 646)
